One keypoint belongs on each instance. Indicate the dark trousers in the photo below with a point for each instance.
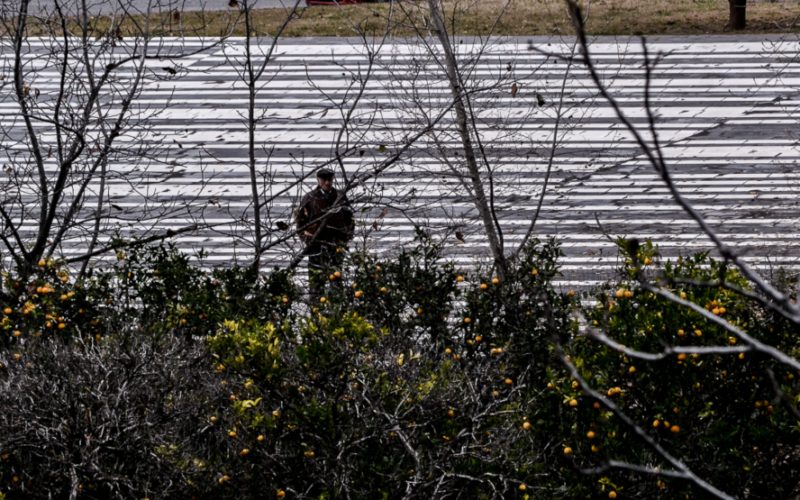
(323, 260)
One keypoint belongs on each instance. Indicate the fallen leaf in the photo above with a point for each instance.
(171, 71)
(282, 225)
(117, 207)
(178, 143)
(233, 3)
(176, 15)
(383, 214)
(382, 148)
(460, 236)
(539, 99)
(375, 226)
(323, 113)
(514, 89)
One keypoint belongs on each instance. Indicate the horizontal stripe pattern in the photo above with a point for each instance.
(727, 118)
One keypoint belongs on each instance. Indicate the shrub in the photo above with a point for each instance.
(411, 380)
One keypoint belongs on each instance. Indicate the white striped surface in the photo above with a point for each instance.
(727, 117)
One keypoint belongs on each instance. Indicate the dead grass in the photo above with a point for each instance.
(522, 18)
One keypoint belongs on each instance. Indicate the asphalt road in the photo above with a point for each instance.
(727, 111)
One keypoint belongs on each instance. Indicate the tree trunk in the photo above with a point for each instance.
(462, 125)
(737, 19)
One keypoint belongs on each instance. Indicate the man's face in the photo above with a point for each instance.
(325, 184)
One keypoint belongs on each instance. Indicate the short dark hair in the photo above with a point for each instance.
(324, 174)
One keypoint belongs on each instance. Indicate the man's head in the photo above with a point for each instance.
(325, 179)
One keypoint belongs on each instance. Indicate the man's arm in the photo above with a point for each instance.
(302, 218)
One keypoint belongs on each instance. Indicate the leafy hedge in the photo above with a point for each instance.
(411, 379)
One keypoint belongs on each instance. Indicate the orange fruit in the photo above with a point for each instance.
(478, 338)
(573, 403)
(7, 310)
(571, 293)
(596, 405)
(323, 300)
(42, 263)
(522, 487)
(632, 369)
(567, 450)
(674, 429)
(232, 434)
(590, 434)
(495, 281)
(281, 493)
(17, 333)
(534, 272)
(612, 494)
(656, 423)
(61, 326)
(509, 381)
(358, 294)
(620, 293)
(332, 277)
(383, 289)
(483, 286)
(337, 274)
(526, 425)
(467, 320)
(419, 311)
(260, 438)
(460, 278)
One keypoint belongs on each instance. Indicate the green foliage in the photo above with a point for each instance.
(410, 378)
(247, 347)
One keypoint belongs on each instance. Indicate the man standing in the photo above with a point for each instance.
(325, 222)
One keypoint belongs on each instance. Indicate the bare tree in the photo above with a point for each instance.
(80, 137)
(764, 294)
